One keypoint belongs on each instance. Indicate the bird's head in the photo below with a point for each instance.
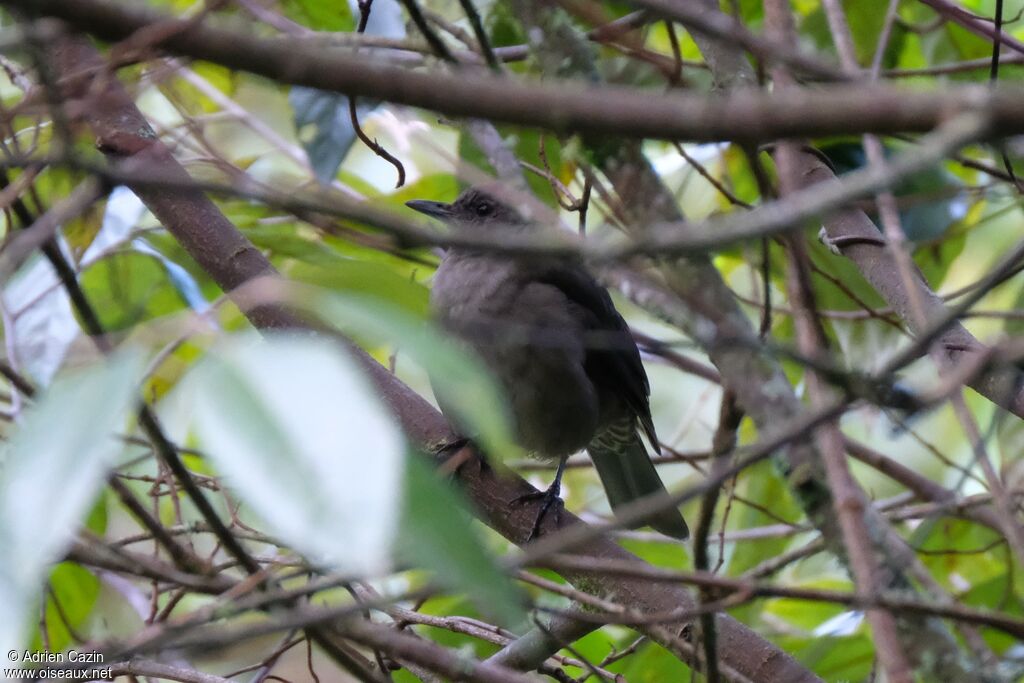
(474, 208)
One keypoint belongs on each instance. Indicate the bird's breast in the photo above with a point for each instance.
(527, 335)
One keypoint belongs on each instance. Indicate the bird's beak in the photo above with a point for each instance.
(433, 209)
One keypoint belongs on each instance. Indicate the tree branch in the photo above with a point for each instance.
(749, 115)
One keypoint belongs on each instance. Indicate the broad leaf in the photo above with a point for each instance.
(321, 16)
(436, 534)
(75, 590)
(297, 431)
(51, 471)
(324, 124)
(460, 380)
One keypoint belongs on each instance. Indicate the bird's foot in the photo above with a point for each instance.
(549, 498)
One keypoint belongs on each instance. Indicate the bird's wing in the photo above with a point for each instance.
(613, 360)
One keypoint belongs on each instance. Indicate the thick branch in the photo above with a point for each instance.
(565, 106)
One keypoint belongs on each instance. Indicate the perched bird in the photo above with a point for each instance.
(564, 356)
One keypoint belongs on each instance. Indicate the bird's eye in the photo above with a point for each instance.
(484, 209)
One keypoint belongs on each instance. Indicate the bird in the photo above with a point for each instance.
(552, 337)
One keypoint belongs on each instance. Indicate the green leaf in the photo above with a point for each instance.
(52, 185)
(96, 522)
(306, 257)
(75, 589)
(1002, 594)
(324, 123)
(806, 615)
(763, 486)
(832, 658)
(653, 664)
(865, 21)
(967, 44)
(80, 232)
(503, 26)
(368, 279)
(296, 429)
(526, 146)
(840, 286)
(292, 241)
(320, 15)
(129, 288)
(51, 471)
(436, 534)
(962, 549)
(739, 177)
(444, 605)
(460, 380)
(438, 186)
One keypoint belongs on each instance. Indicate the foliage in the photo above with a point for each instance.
(290, 440)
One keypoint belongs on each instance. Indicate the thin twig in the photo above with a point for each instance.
(481, 34)
(364, 17)
(723, 443)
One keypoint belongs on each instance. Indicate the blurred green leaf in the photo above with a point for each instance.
(968, 45)
(526, 146)
(80, 231)
(129, 288)
(740, 179)
(319, 15)
(959, 551)
(295, 427)
(51, 471)
(1003, 594)
(353, 276)
(667, 554)
(935, 259)
(762, 486)
(865, 21)
(324, 123)
(437, 186)
(294, 241)
(806, 615)
(460, 380)
(653, 664)
(838, 285)
(503, 26)
(74, 592)
(447, 604)
(752, 11)
(834, 658)
(436, 533)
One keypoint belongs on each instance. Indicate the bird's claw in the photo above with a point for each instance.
(549, 497)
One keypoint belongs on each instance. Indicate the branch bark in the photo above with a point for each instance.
(564, 106)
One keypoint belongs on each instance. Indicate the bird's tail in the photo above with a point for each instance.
(628, 474)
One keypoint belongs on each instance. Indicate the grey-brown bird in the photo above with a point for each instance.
(564, 356)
